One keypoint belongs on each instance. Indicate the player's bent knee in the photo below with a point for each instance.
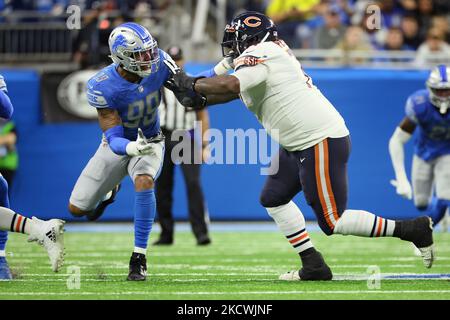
(271, 200)
(77, 212)
(143, 182)
(325, 228)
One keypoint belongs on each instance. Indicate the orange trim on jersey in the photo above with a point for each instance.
(319, 187)
(328, 181)
(380, 220)
(19, 221)
(303, 236)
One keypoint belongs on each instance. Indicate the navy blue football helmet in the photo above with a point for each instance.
(245, 30)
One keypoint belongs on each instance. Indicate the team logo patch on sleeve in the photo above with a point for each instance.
(248, 61)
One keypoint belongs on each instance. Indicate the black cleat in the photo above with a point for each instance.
(203, 240)
(163, 242)
(94, 215)
(314, 269)
(138, 267)
(420, 232)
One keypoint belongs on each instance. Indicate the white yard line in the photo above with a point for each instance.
(194, 293)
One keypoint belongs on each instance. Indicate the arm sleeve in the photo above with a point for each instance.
(410, 110)
(6, 107)
(116, 141)
(162, 66)
(396, 143)
(250, 77)
(207, 74)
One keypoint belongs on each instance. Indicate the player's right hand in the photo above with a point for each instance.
(403, 188)
(140, 146)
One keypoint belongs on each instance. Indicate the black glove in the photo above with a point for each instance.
(180, 78)
(188, 98)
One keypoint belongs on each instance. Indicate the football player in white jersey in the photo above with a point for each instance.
(314, 141)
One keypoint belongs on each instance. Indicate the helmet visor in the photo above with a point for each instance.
(441, 93)
(147, 60)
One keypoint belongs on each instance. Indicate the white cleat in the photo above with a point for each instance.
(417, 252)
(290, 276)
(50, 235)
(428, 256)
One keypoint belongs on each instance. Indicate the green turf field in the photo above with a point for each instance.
(243, 265)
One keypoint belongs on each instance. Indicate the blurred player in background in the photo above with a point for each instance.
(314, 140)
(428, 110)
(47, 233)
(176, 119)
(126, 95)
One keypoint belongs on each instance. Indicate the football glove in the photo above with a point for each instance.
(403, 188)
(188, 98)
(140, 146)
(179, 78)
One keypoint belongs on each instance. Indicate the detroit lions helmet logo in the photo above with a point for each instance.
(120, 41)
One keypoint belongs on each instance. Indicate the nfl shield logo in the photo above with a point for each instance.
(141, 89)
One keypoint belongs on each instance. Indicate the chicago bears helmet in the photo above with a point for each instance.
(245, 30)
(134, 49)
(438, 85)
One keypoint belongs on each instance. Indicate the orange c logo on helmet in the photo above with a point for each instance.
(252, 21)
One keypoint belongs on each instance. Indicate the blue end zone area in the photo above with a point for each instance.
(372, 102)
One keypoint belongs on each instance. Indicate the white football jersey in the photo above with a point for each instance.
(276, 89)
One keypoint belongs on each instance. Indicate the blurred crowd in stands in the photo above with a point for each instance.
(350, 25)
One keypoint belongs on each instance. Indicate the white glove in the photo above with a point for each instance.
(140, 146)
(403, 188)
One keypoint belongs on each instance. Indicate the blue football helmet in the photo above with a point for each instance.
(134, 49)
(438, 85)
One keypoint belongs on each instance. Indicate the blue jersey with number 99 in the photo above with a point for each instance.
(136, 103)
(433, 139)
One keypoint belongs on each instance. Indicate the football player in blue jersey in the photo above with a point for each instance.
(427, 110)
(127, 94)
(47, 233)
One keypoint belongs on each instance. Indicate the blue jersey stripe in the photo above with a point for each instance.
(443, 71)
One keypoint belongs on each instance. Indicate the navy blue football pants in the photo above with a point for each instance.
(320, 172)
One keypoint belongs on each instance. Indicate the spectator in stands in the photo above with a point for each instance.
(441, 22)
(395, 40)
(391, 14)
(327, 36)
(8, 154)
(354, 40)
(425, 12)
(292, 18)
(410, 29)
(408, 5)
(434, 50)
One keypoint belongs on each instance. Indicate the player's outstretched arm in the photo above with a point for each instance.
(220, 98)
(111, 125)
(402, 134)
(6, 107)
